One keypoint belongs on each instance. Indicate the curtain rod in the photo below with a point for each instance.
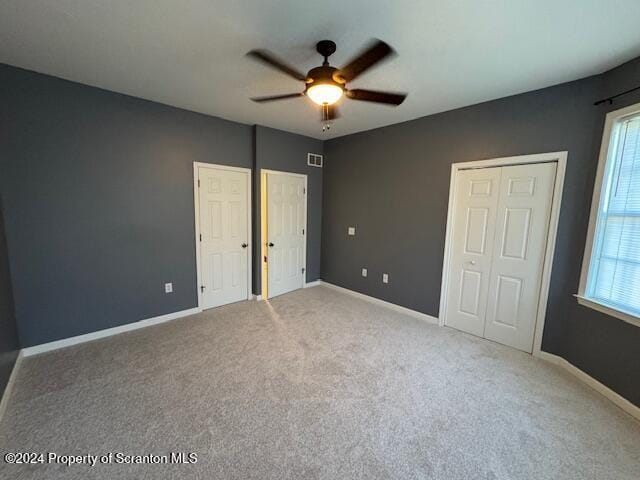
(610, 99)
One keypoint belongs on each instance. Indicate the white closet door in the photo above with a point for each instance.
(224, 234)
(474, 225)
(522, 225)
(285, 227)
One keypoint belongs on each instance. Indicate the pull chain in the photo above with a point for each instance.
(325, 118)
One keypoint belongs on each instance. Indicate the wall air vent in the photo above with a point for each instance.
(314, 160)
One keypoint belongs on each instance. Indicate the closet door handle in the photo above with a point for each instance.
(472, 262)
(244, 245)
(271, 244)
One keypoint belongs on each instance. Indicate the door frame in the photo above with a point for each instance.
(560, 158)
(264, 267)
(196, 210)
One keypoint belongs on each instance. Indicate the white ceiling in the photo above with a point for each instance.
(190, 53)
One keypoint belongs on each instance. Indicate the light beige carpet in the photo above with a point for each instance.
(313, 385)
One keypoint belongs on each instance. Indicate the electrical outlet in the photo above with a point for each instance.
(364, 272)
(168, 288)
(385, 278)
(351, 231)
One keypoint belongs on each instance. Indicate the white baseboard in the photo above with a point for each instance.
(377, 301)
(616, 398)
(7, 390)
(87, 337)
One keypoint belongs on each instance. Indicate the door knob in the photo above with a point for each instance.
(472, 262)
(244, 245)
(271, 244)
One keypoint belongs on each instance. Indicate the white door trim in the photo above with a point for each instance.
(561, 159)
(264, 282)
(196, 210)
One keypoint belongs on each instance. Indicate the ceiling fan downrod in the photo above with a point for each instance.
(325, 48)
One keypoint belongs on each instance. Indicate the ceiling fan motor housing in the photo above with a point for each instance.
(324, 75)
(322, 86)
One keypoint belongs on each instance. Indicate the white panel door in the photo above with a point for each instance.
(224, 236)
(474, 217)
(522, 225)
(285, 232)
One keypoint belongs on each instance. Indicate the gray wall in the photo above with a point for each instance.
(287, 152)
(98, 192)
(392, 185)
(9, 344)
(98, 203)
(99, 200)
(606, 348)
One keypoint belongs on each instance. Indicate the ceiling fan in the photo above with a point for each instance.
(325, 85)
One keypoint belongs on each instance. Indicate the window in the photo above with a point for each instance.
(610, 279)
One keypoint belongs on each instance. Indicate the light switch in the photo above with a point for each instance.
(385, 278)
(352, 231)
(364, 272)
(168, 288)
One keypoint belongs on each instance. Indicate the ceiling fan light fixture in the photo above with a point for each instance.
(325, 93)
(326, 85)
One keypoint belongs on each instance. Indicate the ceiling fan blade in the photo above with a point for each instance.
(373, 54)
(329, 112)
(375, 96)
(272, 98)
(270, 59)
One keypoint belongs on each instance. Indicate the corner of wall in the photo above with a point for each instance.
(9, 329)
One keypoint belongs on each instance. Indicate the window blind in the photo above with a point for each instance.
(614, 274)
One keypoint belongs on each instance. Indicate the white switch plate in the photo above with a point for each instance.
(364, 272)
(385, 278)
(168, 288)
(352, 231)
